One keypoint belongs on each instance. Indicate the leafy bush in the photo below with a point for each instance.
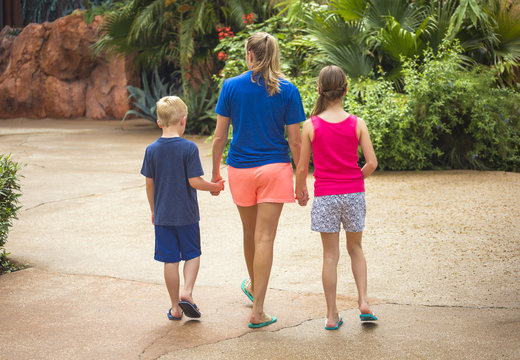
(9, 194)
(448, 117)
(471, 123)
(399, 141)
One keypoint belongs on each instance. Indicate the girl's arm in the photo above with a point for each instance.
(295, 141)
(219, 143)
(200, 184)
(149, 195)
(367, 148)
(301, 192)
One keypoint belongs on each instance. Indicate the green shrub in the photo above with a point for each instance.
(9, 194)
(447, 118)
(471, 124)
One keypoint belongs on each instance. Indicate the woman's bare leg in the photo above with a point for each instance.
(268, 215)
(248, 217)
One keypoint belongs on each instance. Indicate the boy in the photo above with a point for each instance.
(173, 171)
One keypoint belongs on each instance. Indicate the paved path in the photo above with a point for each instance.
(443, 251)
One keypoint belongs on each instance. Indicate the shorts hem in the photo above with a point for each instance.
(276, 201)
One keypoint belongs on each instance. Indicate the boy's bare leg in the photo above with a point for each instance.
(248, 217)
(171, 278)
(190, 271)
(267, 218)
(329, 275)
(359, 269)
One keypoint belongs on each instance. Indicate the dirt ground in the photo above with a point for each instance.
(443, 253)
(439, 238)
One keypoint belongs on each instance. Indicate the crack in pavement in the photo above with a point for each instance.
(82, 197)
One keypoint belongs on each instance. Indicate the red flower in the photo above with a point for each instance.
(222, 55)
(248, 19)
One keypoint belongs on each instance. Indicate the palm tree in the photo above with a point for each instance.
(363, 36)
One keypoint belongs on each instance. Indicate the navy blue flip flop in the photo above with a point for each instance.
(171, 317)
(191, 310)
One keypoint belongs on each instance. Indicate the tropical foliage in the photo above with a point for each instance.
(436, 81)
(9, 194)
(363, 36)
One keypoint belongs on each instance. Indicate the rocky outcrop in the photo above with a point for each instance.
(48, 71)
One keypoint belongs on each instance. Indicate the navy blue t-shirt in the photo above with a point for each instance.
(170, 162)
(259, 120)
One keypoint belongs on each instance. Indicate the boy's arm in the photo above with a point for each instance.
(149, 195)
(367, 148)
(200, 184)
(301, 192)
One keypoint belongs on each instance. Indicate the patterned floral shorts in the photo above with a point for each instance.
(329, 211)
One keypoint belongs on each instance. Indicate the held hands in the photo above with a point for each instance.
(302, 195)
(218, 180)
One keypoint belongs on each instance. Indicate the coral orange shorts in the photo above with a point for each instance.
(266, 183)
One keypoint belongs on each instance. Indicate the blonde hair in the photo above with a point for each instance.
(170, 110)
(267, 60)
(332, 84)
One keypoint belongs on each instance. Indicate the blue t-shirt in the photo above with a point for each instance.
(170, 162)
(258, 120)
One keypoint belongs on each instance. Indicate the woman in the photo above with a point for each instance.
(261, 105)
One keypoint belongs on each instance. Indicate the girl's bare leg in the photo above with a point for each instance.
(266, 226)
(248, 217)
(359, 269)
(329, 275)
(190, 271)
(171, 278)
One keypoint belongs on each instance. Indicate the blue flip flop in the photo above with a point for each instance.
(171, 317)
(265, 323)
(367, 317)
(340, 322)
(244, 289)
(191, 310)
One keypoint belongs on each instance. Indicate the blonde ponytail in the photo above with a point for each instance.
(267, 60)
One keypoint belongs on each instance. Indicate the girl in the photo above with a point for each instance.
(261, 105)
(339, 193)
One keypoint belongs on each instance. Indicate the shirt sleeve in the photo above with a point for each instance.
(223, 104)
(294, 112)
(193, 165)
(146, 169)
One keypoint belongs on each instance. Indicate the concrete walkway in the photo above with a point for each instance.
(93, 291)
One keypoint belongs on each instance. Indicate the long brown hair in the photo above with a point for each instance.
(332, 83)
(267, 60)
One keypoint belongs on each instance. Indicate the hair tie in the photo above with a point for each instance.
(266, 38)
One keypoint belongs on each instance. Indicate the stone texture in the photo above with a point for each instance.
(6, 41)
(50, 72)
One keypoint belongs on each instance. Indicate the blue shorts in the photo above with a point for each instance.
(176, 243)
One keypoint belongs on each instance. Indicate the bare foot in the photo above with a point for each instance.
(365, 309)
(333, 321)
(259, 318)
(176, 311)
(187, 297)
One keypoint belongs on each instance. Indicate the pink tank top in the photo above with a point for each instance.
(335, 157)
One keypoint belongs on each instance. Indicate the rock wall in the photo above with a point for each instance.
(48, 71)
